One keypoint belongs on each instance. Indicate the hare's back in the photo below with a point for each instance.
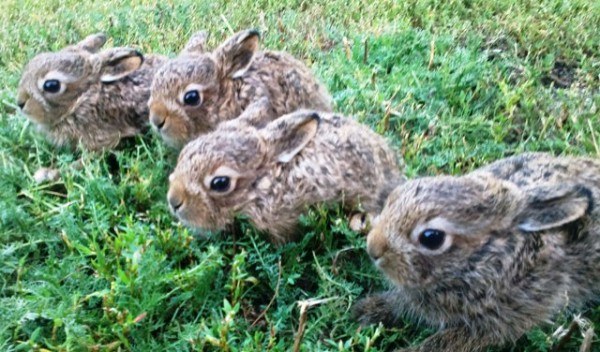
(533, 168)
(289, 81)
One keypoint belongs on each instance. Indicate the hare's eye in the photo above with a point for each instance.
(220, 184)
(51, 86)
(192, 98)
(432, 239)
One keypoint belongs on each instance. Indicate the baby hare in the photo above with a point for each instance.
(81, 95)
(196, 91)
(487, 256)
(271, 175)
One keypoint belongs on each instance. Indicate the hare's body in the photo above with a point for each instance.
(286, 83)
(524, 245)
(345, 162)
(296, 161)
(227, 82)
(92, 98)
(531, 169)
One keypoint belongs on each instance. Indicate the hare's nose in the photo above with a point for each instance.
(176, 195)
(157, 121)
(377, 244)
(22, 97)
(175, 201)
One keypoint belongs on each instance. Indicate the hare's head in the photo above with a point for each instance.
(218, 173)
(441, 230)
(187, 92)
(53, 84)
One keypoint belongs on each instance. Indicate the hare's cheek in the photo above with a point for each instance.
(177, 132)
(397, 269)
(200, 121)
(202, 217)
(424, 269)
(184, 215)
(172, 142)
(35, 111)
(191, 216)
(199, 128)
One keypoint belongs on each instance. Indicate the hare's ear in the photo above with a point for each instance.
(257, 114)
(235, 55)
(552, 206)
(196, 44)
(288, 135)
(91, 43)
(118, 63)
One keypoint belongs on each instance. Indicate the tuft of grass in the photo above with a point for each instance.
(96, 262)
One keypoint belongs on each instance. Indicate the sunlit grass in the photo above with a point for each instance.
(96, 262)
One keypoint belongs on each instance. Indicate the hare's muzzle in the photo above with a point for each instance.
(175, 203)
(158, 114)
(157, 120)
(377, 244)
(175, 196)
(22, 98)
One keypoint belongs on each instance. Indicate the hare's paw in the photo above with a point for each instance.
(44, 174)
(360, 223)
(457, 340)
(375, 309)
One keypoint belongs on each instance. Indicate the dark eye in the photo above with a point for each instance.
(432, 239)
(191, 98)
(220, 184)
(52, 86)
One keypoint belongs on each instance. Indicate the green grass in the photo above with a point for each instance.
(96, 262)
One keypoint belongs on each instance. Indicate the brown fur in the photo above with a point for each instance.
(300, 159)
(230, 80)
(104, 98)
(522, 243)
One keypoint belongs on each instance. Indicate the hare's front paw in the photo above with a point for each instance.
(360, 223)
(44, 174)
(375, 309)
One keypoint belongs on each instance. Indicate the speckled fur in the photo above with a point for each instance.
(94, 110)
(230, 79)
(336, 160)
(525, 245)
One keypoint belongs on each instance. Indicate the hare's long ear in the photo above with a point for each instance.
(235, 55)
(552, 206)
(196, 44)
(257, 114)
(91, 43)
(119, 62)
(288, 135)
